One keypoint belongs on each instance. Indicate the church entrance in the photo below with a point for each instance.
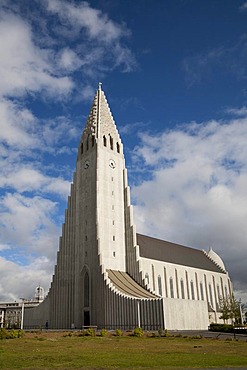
(86, 318)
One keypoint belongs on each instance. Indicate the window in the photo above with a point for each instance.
(86, 237)
(112, 207)
(113, 222)
(171, 288)
(192, 290)
(81, 148)
(113, 238)
(87, 142)
(218, 292)
(114, 254)
(201, 289)
(226, 293)
(182, 288)
(210, 294)
(93, 140)
(159, 285)
(146, 278)
(111, 142)
(118, 148)
(104, 140)
(86, 290)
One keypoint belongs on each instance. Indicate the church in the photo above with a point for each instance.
(109, 276)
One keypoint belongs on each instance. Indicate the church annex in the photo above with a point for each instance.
(106, 274)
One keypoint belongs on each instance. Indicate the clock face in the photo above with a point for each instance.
(112, 163)
(86, 165)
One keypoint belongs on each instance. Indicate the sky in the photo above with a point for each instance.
(175, 76)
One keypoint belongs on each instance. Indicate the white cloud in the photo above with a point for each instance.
(24, 67)
(97, 24)
(16, 281)
(196, 194)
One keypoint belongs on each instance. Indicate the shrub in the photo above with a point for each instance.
(166, 334)
(119, 333)
(138, 332)
(104, 333)
(221, 327)
(90, 332)
(12, 334)
(3, 333)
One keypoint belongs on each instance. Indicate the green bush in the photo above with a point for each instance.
(119, 333)
(104, 333)
(221, 327)
(90, 332)
(12, 334)
(138, 332)
(3, 333)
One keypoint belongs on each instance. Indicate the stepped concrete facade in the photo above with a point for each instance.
(106, 274)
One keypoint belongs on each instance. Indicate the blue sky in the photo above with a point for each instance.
(174, 73)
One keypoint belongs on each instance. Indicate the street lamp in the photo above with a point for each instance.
(22, 313)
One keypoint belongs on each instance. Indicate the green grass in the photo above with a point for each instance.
(55, 351)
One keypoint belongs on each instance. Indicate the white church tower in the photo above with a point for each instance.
(97, 279)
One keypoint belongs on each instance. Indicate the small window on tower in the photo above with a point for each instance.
(112, 193)
(112, 207)
(87, 142)
(113, 222)
(111, 142)
(81, 148)
(118, 148)
(114, 254)
(93, 140)
(86, 237)
(104, 140)
(113, 238)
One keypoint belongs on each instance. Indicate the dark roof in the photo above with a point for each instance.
(125, 284)
(162, 250)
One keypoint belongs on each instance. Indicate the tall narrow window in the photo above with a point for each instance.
(210, 294)
(226, 292)
(218, 293)
(81, 148)
(146, 278)
(182, 288)
(192, 290)
(171, 288)
(118, 148)
(111, 143)
(87, 142)
(201, 289)
(159, 285)
(86, 290)
(93, 140)
(104, 140)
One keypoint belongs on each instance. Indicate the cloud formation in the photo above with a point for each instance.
(196, 193)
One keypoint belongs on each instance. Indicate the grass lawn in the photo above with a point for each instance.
(57, 351)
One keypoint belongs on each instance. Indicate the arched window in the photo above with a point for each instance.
(81, 148)
(111, 142)
(192, 290)
(201, 289)
(182, 288)
(118, 148)
(210, 294)
(86, 290)
(218, 292)
(104, 140)
(159, 285)
(171, 288)
(226, 292)
(146, 278)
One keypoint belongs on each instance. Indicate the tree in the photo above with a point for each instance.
(231, 309)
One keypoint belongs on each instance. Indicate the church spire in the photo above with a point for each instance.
(100, 121)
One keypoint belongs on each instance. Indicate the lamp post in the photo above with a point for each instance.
(22, 313)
